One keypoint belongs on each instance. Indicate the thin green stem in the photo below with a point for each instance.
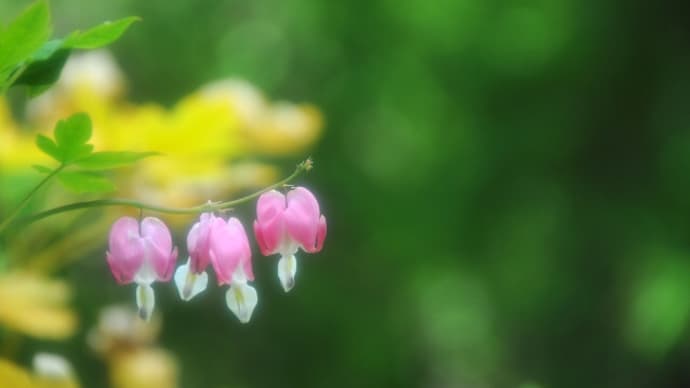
(304, 166)
(28, 197)
(13, 78)
(207, 207)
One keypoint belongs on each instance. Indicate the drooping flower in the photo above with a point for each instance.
(142, 254)
(225, 246)
(231, 258)
(191, 278)
(286, 223)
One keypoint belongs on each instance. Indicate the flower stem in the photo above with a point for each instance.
(15, 75)
(6, 222)
(207, 207)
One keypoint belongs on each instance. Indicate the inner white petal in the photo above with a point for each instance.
(287, 268)
(241, 299)
(288, 247)
(145, 301)
(146, 273)
(189, 284)
(239, 276)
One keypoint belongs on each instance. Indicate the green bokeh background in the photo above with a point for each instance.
(507, 185)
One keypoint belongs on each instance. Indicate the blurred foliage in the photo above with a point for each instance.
(506, 185)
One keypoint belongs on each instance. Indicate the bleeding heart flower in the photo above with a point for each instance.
(286, 223)
(191, 278)
(224, 244)
(141, 253)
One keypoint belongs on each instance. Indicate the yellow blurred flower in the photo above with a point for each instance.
(201, 138)
(14, 376)
(50, 371)
(128, 346)
(144, 368)
(17, 149)
(280, 128)
(36, 306)
(53, 371)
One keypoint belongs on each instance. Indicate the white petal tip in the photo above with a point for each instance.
(288, 283)
(287, 268)
(144, 314)
(189, 284)
(241, 300)
(145, 301)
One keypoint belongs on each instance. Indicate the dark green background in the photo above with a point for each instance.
(506, 183)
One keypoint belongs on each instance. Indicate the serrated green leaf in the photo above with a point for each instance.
(24, 35)
(48, 146)
(42, 169)
(110, 160)
(100, 35)
(71, 136)
(83, 182)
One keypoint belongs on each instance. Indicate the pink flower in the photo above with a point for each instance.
(141, 253)
(286, 223)
(224, 244)
(191, 278)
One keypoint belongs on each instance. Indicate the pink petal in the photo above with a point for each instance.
(126, 249)
(259, 234)
(229, 248)
(198, 243)
(246, 257)
(321, 235)
(269, 227)
(159, 246)
(302, 218)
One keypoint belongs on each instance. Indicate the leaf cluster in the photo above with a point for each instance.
(82, 170)
(28, 55)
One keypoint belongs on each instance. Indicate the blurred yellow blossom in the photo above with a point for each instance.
(49, 371)
(36, 306)
(280, 128)
(202, 138)
(17, 149)
(119, 328)
(144, 368)
(128, 346)
(13, 376)
(53, 371)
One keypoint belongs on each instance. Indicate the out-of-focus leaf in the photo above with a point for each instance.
(42, 169)
(44, 68)
(660, 308)
(83, 182)
(71, 136)
(110, 160)
(100, 35)
(24, 35)
(48, 146)
(76, 129)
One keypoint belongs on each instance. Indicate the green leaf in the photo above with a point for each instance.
(24, 35)
(110, 160)
(42, 169)
(44, 68)
(48, 146)
(83, 182)
(75, 129)
(100, 35)
(71, 135)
